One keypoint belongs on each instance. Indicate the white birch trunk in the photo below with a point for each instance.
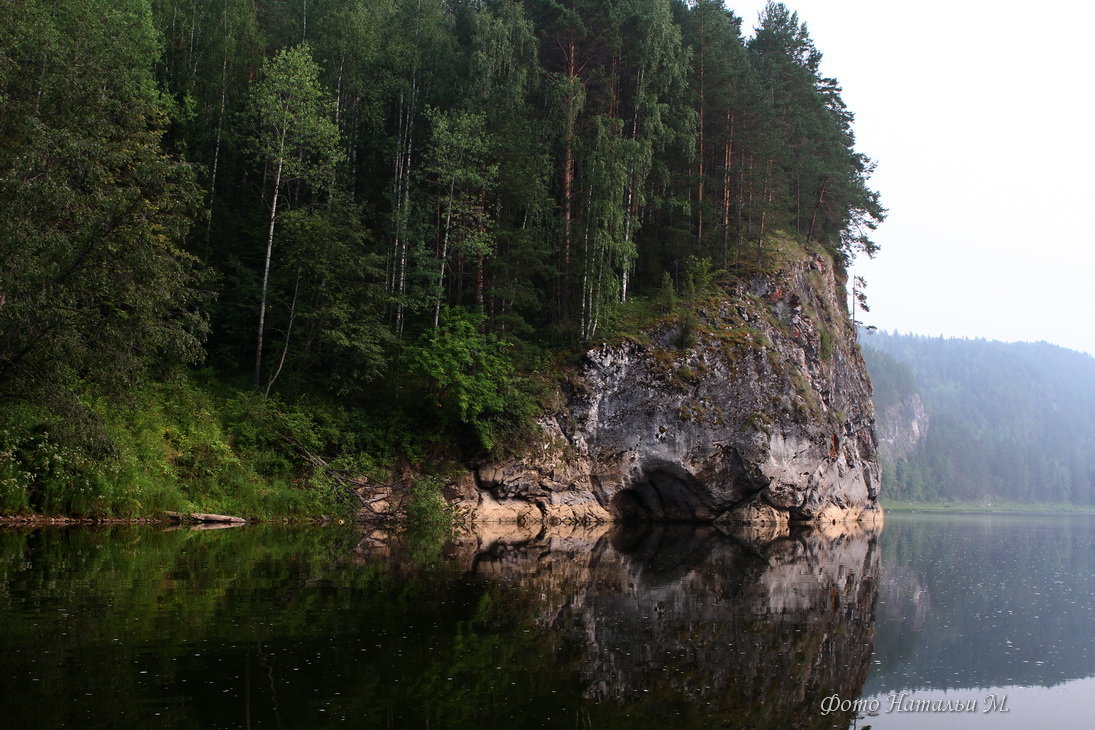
(266, 266)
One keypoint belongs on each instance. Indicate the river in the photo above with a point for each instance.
(585, 627)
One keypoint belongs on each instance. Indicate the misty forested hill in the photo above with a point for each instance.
(1005, 421)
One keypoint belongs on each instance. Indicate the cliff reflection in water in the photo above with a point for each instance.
(688, 624)
(262, 626)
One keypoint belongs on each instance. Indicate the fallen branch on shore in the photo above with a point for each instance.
(204, 517)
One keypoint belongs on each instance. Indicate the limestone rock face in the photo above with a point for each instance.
(901, 427)
(758, 410)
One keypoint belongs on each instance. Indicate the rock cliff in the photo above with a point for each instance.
(755, 409)
(901, 428)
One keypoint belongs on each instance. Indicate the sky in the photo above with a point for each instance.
(980, 117)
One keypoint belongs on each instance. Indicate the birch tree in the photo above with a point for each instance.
(607, 249)
(458, 161)
(298, 140)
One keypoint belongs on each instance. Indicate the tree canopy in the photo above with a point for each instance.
(96, 283)
(345, 200)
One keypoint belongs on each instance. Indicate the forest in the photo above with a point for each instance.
(247, 248)
(1007, 422)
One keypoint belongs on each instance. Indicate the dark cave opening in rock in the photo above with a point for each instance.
(660, 494)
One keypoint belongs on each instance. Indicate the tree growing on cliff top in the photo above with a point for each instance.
(815, 181)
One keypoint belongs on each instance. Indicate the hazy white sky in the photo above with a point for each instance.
(980, 116)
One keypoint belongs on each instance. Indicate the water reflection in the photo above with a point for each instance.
(976, 601)
(687, 624)
(573, 627)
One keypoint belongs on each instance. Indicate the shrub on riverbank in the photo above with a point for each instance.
(177, 446)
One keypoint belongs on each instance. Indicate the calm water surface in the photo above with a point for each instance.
(979, 608)
(573, 628)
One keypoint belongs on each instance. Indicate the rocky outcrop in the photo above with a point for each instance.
(901, 427)
(757, 409)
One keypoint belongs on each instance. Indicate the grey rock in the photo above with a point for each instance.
(901, 427)
(766, 409)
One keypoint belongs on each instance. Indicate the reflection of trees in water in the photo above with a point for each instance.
(985, 601)
(687, 624)
(668, 627)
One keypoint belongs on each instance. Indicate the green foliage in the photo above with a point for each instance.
(699, 279)
(892, 379)
(689, 324)
(427, 520)
(826, 344)
(667, 295)
(293, 117)
(463, 174)
(94, 283)
(608, 251)
(34, 468)
(471, 381)
(297, 137)
(361, 175)
(332, 286)
(167, 447)
(822, 191)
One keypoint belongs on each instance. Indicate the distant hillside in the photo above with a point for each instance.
(999, 421)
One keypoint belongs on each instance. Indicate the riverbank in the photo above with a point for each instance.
(994, 508)
(194, 443)
(37, 520)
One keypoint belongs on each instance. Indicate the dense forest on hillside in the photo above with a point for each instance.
(241, 241)
(1007, 421)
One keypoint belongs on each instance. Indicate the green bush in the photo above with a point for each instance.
(470, 379)
(427, 520)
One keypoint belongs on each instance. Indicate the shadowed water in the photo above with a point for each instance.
(261, 627)
(630, 627)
